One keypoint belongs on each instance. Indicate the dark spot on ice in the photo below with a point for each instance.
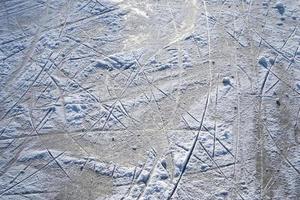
(112, 139)
(67, 162)
(294, 18)
(102, 65)
(298, 86)
(74, 108)
(204, 167)
(189, 37)
(221, 152)
(224, 193)
(164, 67)
(226, 81)
(74, 85)
(225, 136)
(143, 178)
(277, 102)
(280, 7)
(244, 187)
(164, 164)
(263, 62)
(153, 61)
(36, 156)
(164, 176)
(292, 60)
(282, 18)
(272, 61)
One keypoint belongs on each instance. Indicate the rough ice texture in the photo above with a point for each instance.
(156, 99)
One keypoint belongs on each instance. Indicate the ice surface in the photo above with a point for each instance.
(156, 99)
